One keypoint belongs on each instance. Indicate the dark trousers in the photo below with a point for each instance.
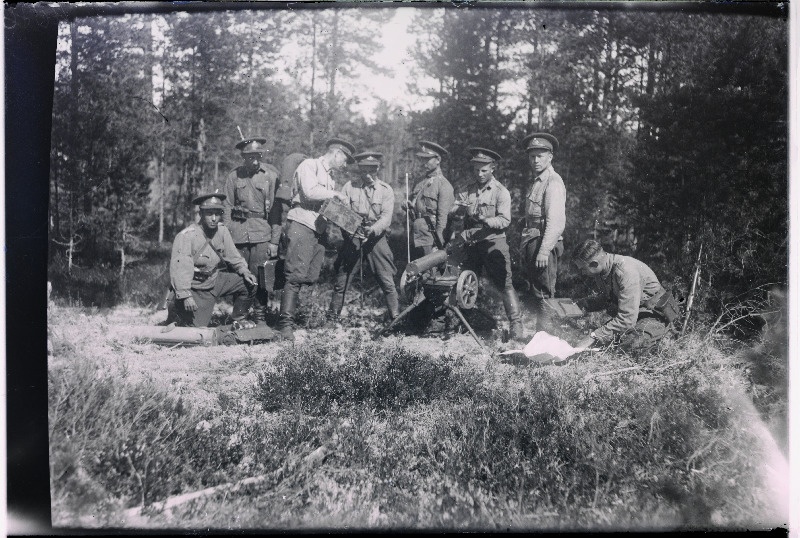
(255, 254)
(541, 279)
(648, 331)
(227, 284)
(494, 255)
(305, 253)
(380, 258)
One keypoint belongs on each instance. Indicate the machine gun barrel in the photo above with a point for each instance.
(420, 265)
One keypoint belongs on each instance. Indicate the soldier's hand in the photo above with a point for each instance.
(272, 250)
(250, 279)
(189, 305)
(340, 196)
(585, 343)
(541, 260)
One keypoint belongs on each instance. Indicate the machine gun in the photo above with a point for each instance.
(439, 279)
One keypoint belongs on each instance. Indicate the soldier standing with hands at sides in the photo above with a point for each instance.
(249, 196)
(431, 201)
(194, 270)
(312, 184)
(541, 245)
(486, 205)
(373, 200)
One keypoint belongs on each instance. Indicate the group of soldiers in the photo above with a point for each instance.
(267, 214)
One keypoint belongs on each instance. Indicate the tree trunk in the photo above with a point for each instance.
(162, 184)
(311, 118)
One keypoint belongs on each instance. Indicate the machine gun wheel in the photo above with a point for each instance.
(408, 290)
(467, 289)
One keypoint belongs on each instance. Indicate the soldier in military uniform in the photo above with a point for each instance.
(250, 193)
(373, 200)
(306, 229)
(486, 205)
(195, 277)
(642, 309)
(431, 201)
(541, 245)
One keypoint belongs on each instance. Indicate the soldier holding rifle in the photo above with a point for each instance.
(198, 253)
(249, 196)
(306, 231)
(486, 206)
(431, 201)
(373, 200)
(541, 245)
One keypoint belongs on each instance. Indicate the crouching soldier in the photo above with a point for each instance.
(373, 200)
(643, 310)
(486, 205)
(198, 253)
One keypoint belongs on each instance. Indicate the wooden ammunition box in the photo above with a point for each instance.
(270, 275)
(341, 215)
(563, 308)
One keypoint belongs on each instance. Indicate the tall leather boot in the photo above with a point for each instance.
(514, 315)
(286, 319)
(334, 312)
(260, 308)
(543, 321)
(393, 305)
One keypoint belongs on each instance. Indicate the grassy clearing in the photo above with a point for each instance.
(398, 433)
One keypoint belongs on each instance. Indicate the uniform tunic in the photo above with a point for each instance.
(254, 191)
(305, 251)
(488, 247)
(432, 200)
(195, 272)
(630, 283)
(545, 219)
(374, 203)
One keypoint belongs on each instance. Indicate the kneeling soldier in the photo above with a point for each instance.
(373, 200)
(197, 254)
(644, 309)
(487, 207)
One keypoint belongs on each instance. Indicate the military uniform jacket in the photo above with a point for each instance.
(254, 191)
(312, 184)
(433, 197)
(545, 209)
(492, 201)
(195, 265)
(631, 283)
(375, 203)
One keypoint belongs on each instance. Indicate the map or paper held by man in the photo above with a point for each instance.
(546, 348)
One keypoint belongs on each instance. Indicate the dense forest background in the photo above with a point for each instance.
(673, 125)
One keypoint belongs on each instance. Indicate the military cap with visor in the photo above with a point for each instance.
(210, 201)
(483, 155)
(430, 149)
(252, 145)
(344, 146)
(540, 141)
(369, 158)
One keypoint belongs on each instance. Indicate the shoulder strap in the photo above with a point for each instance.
(197, 254)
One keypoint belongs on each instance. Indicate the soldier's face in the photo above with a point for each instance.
(430, 163)
(251, 159)
(539, 159)
(369, 173)
(210, 218)
(339, 159)
(591, 268)
(485, 172)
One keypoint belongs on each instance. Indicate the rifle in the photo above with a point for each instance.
(690, 300)
(408, 225)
